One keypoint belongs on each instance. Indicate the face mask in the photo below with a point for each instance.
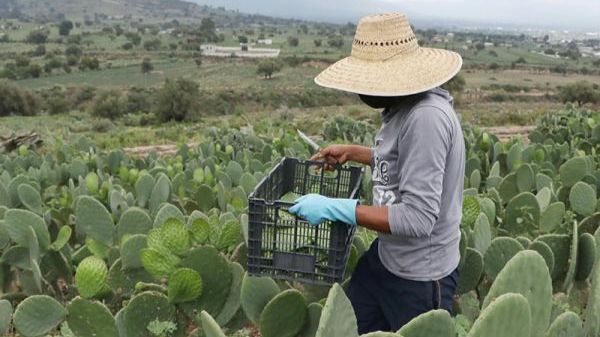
(379, 102)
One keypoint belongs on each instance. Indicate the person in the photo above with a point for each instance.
(418, 173)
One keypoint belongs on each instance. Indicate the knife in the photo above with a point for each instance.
(309, 141)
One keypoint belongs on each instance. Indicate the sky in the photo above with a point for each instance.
(553, 14)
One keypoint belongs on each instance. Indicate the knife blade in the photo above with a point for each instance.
(309, 141)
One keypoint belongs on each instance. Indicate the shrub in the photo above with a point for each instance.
(73, 50)
(102, 125)
(17, 102)
(318, 43)
(37, 36)
(293, 41)
(109, 104)
(90, 63)
(65, 27)
(35, 70)
(153, 44)
(177, 100)
(336, 41)
(39, 51)
(580, 92)
(56, 104)
(268, 67)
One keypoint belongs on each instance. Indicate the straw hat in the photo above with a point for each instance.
(386, 60)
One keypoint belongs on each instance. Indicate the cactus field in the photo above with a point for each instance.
(108, 244)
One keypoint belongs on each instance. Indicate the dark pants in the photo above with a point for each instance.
(383, 301)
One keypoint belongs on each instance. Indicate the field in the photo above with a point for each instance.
(127, 160)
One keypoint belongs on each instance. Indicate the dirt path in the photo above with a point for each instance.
(504, 133)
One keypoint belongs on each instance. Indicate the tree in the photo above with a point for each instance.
(580, 92)
(90, 63)
(65, 27)
(135, 38)
(177, 100)
(146, 68)
(35, 70)
(153, 44)
(335, 41)
(109, 104)
(73, 50)
(318, 43)
(293, 41)
(37, 36)
(17, 102)
(268, 67)
(40, 50)
(243, 39)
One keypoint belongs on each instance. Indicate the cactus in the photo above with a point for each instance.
(248, 182)
(209, 326)
(570, 276)
(133, 221)
(488, 207)
(508, 315)
(205, 197)
(167, 212)
(91, 277)
(159, 264)
(551, 218)
(174, 236)
(544, 196)
(313, 316)
(256, 292)
(470, 211)
(234, 171)
(482, 234)
(13, 190)
(284, 315)
(4, 197)
(30, 198)
(560, 245)
(501, 250)
(544, 250)
(582, 198)
(592, 315)
(6, 311)
(527, 274)
(470, 272)
(525, 178)
(586, 256)
(90, 318)
(216, 278)
(184, 285)
(143, 309)
(94, 220)
(522, 214)
(143, 189)
(160, 193)
(433, 323)
(567, 324)
(233, 302)
(18, 222)
(338, 318)
(508, 187)
(130, 251)
(229, 235)
(573, 170)
(122, 281)
(62, 238)
(38, 315)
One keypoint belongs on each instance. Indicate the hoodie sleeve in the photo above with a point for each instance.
(424, 145)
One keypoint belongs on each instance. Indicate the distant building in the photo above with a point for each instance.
(267, 42)
(488, 44)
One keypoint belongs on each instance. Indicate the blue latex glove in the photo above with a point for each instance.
(316, 209)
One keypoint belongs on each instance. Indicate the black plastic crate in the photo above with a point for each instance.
(283, 246)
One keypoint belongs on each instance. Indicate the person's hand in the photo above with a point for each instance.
(316, 209)
(333, 154)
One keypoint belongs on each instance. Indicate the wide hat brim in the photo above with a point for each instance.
(402, 75)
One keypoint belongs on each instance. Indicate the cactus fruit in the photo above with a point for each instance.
(216, 279)
(256, 292)
(130, 251)
(6, 311)
(94, 220)
(500, 251)
(470, 272)
(30, 198)
(38, 315)
(209, 326)
(482, 234)
(284, 315)
(90, 318)
(133, 221)
(567, 324)
(560, 245)
(433, 323)
(582, 198)
(551, 218)
(313, 316)
(233, 302)
(570, 276)
(91, 277)
(143, 309)
(522, 214)
(18, 222)
(184, 285)
(592, 315)
(544, 250)
(470, 211)
(586, 256)
(527, 274)
(167, 212)
(338, 318)
(507, 315)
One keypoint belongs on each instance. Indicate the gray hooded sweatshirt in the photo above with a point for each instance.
(418, 173)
